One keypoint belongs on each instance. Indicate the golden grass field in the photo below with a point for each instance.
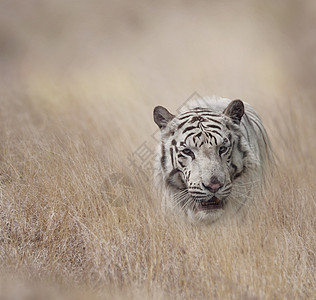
(78, 84)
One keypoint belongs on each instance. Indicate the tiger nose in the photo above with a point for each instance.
(214, 185)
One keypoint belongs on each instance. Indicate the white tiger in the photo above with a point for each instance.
(212, 157)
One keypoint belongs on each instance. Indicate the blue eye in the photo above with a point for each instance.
(222, 150)
(187, 151)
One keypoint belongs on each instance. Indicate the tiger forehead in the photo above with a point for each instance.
(200, 119)
(201, 133)
(197, 114)
(198, 127)
(200, 140)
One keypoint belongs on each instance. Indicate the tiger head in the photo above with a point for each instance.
(202, 153)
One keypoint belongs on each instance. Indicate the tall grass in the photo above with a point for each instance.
(60, 225)
(78, 82)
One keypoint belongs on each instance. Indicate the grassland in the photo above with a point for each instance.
(76, 105)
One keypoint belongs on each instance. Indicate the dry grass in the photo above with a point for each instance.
(56, 225)
(66, 130)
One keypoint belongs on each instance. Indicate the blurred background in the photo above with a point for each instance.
(78, 84)
(125, 57)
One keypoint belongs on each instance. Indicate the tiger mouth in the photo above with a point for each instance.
(211, 204)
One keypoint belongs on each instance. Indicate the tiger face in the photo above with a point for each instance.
(198, 158)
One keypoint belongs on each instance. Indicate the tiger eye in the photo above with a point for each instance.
(187, 151)
(210, 146)
(222, 150)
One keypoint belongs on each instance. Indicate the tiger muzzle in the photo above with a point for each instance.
(211, 204)
(214, 185)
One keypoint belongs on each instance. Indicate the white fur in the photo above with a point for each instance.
(254, 140)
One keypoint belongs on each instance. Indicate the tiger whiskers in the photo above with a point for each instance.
(183, 200)
(189, 202)
(248, 183)
(180, 198)
(188, 156)
(241, 198)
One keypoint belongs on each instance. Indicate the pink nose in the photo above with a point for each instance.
(213, 187)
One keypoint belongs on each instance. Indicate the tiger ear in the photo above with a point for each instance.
(235, 110)
(162, 116)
